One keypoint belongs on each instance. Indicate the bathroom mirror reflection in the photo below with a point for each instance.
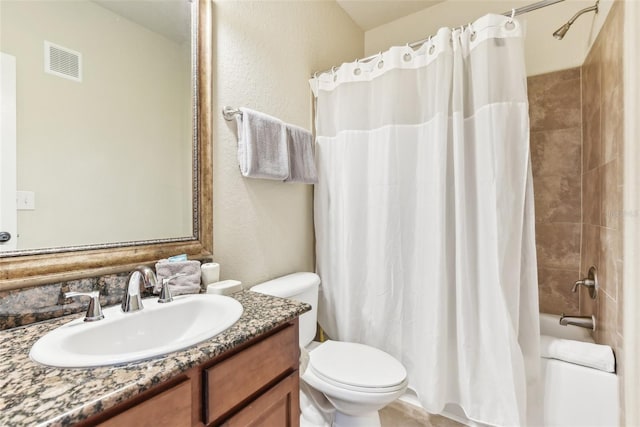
(102, 123)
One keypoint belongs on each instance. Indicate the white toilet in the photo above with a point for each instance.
(356, 379)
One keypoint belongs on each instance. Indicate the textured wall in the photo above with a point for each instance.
(265, 53)
(556, 142)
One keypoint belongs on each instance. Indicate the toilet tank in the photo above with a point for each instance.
(301, 287)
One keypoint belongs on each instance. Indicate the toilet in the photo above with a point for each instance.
(347, 383)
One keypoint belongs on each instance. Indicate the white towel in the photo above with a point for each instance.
(302, 163)
(189, 283)
(581, 353)
(262, 146)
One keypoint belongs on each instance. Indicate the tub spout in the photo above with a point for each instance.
(588, 322)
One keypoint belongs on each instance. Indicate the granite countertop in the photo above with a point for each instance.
(34, 394)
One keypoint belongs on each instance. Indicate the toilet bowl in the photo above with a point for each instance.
(355, 379)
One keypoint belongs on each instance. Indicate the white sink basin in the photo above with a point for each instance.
(127, 337)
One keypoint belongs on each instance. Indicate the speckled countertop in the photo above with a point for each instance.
(33, 394)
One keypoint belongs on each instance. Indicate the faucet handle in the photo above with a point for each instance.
(590, 282)
(165, 292)
(94, 310)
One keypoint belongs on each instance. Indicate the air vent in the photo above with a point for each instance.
(62, 62)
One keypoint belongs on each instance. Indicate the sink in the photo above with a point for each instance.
(128, 337)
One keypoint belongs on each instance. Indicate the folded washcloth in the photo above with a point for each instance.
(581, 353)
(302, 165)
(188, 283)
(262, 146)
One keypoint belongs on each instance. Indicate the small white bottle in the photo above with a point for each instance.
(210, 273)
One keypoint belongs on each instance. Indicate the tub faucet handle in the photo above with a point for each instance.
(590, 282)
(94, 310)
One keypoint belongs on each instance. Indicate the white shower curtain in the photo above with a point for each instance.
(424, 216)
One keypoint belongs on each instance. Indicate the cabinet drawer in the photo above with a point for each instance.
(170, 408)
(233, 381)
(280, 406)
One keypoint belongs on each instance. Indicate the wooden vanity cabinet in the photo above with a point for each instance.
(256, 384)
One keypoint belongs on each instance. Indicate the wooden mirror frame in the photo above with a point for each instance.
(34, 270)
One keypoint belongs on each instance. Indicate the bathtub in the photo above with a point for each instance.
(575, 395)
(572, 395)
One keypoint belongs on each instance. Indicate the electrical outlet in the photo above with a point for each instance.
(26, 200)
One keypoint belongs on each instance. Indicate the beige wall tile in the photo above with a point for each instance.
(591, 140)
(606, 320)
(610, 260)
(591, 83)
(554, 100)
(558, 245)
(591, 196)
(611, 211)
(556, 152)
(612, 123)
(590, 248)
(556, 156)
(611, 56)
(554, 291)
(557, 198)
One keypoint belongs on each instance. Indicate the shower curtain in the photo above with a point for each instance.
(424, 216)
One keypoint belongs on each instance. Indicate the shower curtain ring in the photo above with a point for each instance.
(513, 14)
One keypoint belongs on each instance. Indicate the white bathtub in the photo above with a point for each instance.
(572, 395)
(575, 395)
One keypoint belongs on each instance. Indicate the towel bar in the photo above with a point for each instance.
(229, 112)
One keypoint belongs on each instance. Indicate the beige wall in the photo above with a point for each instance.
(543, 53)
(109, 157)
(265, 53)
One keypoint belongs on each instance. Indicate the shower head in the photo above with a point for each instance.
(560, 32)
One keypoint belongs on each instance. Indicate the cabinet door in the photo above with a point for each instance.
(171, 408)
(240, 378)
(277, 407)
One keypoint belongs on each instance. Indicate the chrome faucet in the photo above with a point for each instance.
(588, 322)
(94, 310)
(165, 292)
(141, 277)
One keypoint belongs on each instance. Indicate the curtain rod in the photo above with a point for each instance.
(515, 12)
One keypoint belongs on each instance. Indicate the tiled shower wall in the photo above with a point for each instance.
(556, 157)
(602, 174)
(576, 151)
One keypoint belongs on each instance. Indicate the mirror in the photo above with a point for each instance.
(103, 121)
(114, 161)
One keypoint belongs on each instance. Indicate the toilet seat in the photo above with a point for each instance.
(357, 367)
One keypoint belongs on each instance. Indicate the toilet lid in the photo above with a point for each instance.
(357, 365)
